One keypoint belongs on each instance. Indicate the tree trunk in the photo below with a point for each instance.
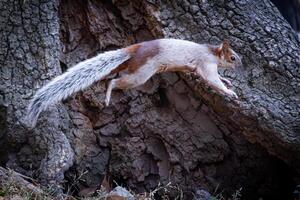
(29, 57)
(174, 128)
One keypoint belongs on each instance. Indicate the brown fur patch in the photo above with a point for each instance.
(174, 69)
(227, 55)
(132, 49)
(224, 51)
(140, 53)
(215, 50)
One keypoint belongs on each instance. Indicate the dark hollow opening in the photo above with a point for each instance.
(290, 10)
(276, 182)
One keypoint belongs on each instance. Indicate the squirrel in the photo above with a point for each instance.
(136, 64)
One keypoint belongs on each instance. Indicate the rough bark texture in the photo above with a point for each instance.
(290, 11)
(29, 55)
(10, 177)
(172, 128)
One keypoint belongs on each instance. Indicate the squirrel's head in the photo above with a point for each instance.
(227, 58)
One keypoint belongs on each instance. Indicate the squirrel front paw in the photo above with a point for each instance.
(107, 99)
(232, 94)
(227, 82)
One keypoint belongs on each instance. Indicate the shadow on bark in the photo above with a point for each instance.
(173, 128)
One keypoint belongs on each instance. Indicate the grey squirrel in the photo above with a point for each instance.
(136, 64)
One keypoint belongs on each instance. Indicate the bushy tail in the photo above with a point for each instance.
(75, 79)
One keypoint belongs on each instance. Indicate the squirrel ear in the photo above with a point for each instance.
(224, 46)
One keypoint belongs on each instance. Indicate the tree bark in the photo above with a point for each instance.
(8, 177)
(174, 127)
(29, 58)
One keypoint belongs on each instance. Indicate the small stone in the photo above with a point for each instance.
(202, 195)
(120, 193)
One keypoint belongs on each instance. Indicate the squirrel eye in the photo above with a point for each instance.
(232, 58)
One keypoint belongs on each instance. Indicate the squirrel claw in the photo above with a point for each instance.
(106, 102)
(228, 83)
(232, 94)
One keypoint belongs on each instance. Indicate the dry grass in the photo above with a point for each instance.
(10, 190)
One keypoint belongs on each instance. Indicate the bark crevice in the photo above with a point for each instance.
(172, 128)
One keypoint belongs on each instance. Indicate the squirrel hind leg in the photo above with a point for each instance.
(119, 83)
(126, 82)
(110, 87)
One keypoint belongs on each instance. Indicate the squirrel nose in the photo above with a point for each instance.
(239, 68)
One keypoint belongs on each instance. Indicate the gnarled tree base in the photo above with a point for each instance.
(174, 128)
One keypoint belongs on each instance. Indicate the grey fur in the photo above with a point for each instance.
(75, 79)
